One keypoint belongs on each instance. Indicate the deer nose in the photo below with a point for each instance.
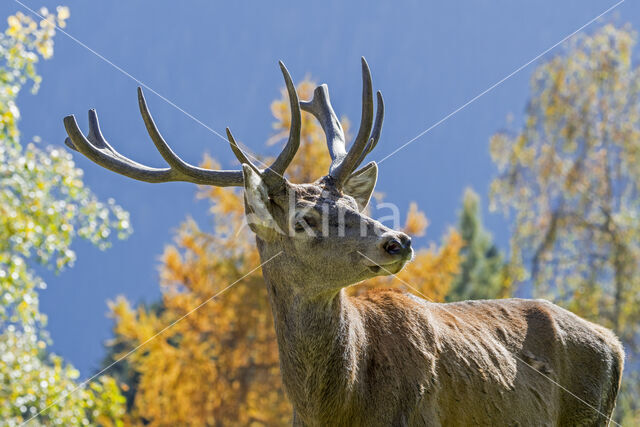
(399, 244)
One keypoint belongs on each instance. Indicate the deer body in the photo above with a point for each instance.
(389, 358)
(386, 358)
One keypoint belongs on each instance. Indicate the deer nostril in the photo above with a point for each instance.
(406, 241)
(393, 247)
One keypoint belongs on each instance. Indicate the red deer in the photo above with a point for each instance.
(387, 357)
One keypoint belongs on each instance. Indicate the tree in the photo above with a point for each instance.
(43, 207)
(482, 271)
(571, 175)
(220, 365)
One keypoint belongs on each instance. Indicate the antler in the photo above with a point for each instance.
(343, 163)
(95, 147)
(273, 175)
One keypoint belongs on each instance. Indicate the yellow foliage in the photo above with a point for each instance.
(416, 223)
(219, 364)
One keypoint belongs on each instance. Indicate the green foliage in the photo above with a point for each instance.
(482, 270)
(571, 175)
(44, 205)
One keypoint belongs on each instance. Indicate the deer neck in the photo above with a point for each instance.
(321, 340)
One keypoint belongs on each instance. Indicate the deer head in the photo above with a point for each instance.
(319, 229)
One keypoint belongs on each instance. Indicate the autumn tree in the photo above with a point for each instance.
(219, 366)
(44, 205)
(482, 270)
(571, 178)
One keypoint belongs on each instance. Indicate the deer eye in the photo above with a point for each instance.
(305, 221)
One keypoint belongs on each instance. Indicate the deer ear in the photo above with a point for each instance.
(361, 183)
(257, 204)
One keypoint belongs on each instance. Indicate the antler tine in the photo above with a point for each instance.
(350, 161)
(377, 129)
(242, 158)
(104, 155)
(94, 136)
(285, 157)
(97, 149)
(320, 107)
(161, 145)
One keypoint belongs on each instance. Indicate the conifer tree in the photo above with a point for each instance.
(482, 271)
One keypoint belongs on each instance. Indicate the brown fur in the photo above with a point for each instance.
(389, 358)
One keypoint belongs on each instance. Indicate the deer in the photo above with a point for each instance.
(386, 357)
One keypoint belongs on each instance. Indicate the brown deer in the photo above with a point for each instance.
(387, 357)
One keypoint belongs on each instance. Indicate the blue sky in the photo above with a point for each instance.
(218, 61)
